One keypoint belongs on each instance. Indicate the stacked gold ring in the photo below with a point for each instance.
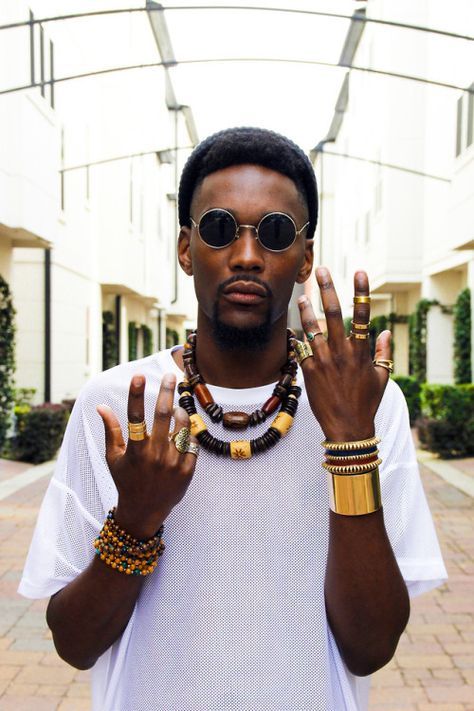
(137, 431)
(364, 327)
(361, 299)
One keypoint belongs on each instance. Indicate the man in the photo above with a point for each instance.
(265, 599)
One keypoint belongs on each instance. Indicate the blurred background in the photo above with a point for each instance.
(102, 102)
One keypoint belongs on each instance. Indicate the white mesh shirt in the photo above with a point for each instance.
(234, 616)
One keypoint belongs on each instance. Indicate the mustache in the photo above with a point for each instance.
(244, 277)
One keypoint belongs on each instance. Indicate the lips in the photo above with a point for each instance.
(245, 293)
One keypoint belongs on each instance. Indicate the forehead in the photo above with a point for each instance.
(247, 189)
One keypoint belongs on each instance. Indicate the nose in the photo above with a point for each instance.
(246, 253)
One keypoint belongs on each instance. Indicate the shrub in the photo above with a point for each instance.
(110, 351)
(411, 389)
(132, 340)
(447, 423)
(40, 431)
(7, 358)
(147, 340)
(462, 338)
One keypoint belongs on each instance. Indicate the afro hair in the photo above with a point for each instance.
(247, 145)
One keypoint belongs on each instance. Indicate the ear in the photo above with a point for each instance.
(307, 264)
(184, 250)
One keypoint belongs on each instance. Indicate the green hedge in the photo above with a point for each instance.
(411, 389)
(110, 350)
(40, 431)
(7, 358)
(447, 423)
(462, 338)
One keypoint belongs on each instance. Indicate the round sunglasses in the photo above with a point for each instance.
(276, 231)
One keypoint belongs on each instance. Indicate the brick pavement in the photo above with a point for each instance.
(433, 669)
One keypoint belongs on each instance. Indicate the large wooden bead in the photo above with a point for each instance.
(197, 424)
(282, 423)
(271, 405)
(240, 449)
(203, 395)
(236, 420)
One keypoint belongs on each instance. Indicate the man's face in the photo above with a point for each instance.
(245, 285)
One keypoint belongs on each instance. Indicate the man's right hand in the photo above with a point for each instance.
(151, 476)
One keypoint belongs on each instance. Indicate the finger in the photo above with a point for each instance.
(309, 321)
(331, 306)
(383, 346)
(163, 410)
(181, 419)
(136, 407)
(361, 314)
(114, 441)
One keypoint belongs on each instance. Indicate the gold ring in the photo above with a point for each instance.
(181, 440)
(361, 299)
(384, 363)
(360, 326)
(302, 351)
(193, 448)
(360, 336)
(137, 431)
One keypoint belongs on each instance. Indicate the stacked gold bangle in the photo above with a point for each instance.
(353, 476)
(126, 554)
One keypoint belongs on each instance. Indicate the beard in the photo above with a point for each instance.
(234, 338)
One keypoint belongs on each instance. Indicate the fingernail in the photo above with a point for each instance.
(169, 379)
(103, 407)
(302, 299)
(138, 381)
(322, 271)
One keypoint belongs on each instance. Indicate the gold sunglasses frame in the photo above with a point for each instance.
(250, 227)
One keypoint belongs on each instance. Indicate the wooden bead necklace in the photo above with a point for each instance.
(284, 396)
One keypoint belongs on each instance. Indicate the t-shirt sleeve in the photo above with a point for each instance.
(407, 516)
(74, 507)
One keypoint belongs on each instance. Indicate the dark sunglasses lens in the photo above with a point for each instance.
(217, 228)
(276, 232)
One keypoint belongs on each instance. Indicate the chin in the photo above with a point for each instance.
(241, 336)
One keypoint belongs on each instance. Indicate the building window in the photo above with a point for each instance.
(41, 61)
(464, 121)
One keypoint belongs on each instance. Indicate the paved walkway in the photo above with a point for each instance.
(433, 669)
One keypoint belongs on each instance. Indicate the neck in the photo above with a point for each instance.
(240, 368)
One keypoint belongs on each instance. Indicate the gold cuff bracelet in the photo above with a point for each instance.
(355, 495)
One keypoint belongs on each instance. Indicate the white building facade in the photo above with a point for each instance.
(398, 189)
(88, 186)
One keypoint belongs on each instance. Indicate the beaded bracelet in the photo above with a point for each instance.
(124, 553)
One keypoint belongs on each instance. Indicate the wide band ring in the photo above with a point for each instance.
(360, 326)
(302, 351)
(137, 431)
(384, 363)
(360, 336)
(361, 299)
(193, 448)
(181, 439)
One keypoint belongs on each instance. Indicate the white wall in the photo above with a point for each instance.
(112, 226)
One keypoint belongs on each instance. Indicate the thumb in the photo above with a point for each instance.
(383, 346)
(114, 442)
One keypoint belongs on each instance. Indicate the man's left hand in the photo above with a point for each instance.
(344, 386)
